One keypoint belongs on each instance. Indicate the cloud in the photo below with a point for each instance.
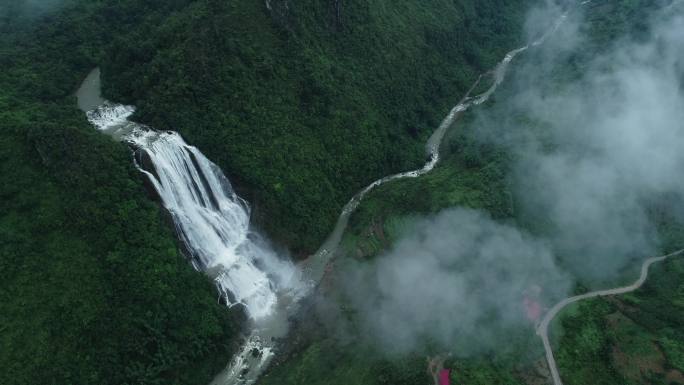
(589, 157)
(458, 280)
(605, 147)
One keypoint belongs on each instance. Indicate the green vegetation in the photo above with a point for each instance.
(319, 358)
(302, 107)
(475, 174)
(634, 338)
(470, 174)
(602, 342)
(630, 339)
(320, 365)
(93, 289)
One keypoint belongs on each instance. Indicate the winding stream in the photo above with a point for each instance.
(314, 267)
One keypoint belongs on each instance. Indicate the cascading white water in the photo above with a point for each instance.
(210, 219)
(109, 115)
(213, 224)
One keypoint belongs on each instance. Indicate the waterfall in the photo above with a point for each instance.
(211, 220)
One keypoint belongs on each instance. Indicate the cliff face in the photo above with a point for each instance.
(303, 102)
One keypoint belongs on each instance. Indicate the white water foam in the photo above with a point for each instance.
(210, 219)
(109, 115)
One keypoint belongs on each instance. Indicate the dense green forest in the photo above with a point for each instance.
(92, 287)
(301, 103)
(304, 104)
(633, 339)
(475, 173)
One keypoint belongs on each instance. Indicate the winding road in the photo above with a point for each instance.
(543, 329)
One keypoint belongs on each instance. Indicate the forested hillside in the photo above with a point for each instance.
(306, 102)
(92, 287)
(301, 104)
(630, 339)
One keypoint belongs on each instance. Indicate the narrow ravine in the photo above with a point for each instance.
(543, 329)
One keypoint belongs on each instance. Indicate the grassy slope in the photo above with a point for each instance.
(302, 109)
(92, 287)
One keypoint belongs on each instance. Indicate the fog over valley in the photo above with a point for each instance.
(591, 159)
